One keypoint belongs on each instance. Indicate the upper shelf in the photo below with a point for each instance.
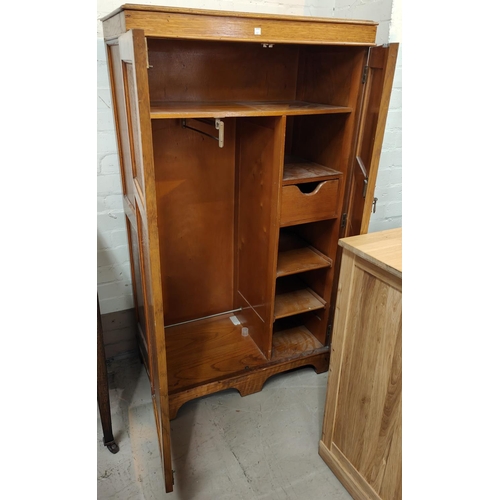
(244, 108)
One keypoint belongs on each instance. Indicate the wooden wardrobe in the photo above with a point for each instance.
(248, 144)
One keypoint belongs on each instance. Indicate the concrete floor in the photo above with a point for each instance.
(224, 447)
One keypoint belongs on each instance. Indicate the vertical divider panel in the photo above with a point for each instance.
(259, 162)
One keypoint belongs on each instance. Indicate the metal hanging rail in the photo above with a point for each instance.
(219, 125)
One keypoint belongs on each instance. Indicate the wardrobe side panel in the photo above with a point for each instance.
(192, 70)
(368, 411)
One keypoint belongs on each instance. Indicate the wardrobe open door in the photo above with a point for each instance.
(128, 70)
(377, 80)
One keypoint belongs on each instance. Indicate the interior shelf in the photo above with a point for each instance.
(195, 109)
(298, 170)
(207, 350)
(296, 256)
(293, 339)
(294, 297)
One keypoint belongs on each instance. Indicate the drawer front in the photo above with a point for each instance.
(298, 207)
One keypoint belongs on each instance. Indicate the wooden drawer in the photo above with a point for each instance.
(298, 207)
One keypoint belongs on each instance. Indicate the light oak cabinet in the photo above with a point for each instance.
(248, 145)
(361, 439)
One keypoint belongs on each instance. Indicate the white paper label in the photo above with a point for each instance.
(235, 320)
(256, 31)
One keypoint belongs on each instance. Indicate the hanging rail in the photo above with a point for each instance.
(219, 125)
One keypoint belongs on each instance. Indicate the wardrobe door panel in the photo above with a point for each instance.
(377, 93)
(128, 73)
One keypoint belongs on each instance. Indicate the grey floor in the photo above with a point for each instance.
(262, 446)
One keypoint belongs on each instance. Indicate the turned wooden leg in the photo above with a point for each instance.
(103, 389)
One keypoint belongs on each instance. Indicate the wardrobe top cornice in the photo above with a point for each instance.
(206, 12)
(177, 22)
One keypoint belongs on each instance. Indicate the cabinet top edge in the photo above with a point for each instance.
(206, 12)
(382, 248)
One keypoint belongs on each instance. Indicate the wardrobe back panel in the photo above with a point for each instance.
(330, 75)
(320, 138)
(190, 70)
(195, 196)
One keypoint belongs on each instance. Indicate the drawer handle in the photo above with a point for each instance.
(310, 188)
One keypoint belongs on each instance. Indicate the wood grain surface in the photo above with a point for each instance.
(132, 114)
(195, 196)
(216, 25)
(297, 171)
(260, 160)
(204, 224)
(194, 109)
(381, 248)
(298, 207)
(361, 438)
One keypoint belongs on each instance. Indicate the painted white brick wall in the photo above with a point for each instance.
(388, 188)
(113, 265)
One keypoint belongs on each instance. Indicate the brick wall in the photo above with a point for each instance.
(113, 266)
(388, 188)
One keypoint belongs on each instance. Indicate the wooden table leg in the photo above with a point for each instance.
(103, 389)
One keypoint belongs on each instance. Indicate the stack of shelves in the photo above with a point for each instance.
(297, 302)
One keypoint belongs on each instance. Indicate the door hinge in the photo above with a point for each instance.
(329, 331)
(343, 221)
(173, 477)
(365, 74)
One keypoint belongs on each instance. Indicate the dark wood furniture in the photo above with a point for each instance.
(248, 145)
(103, 389)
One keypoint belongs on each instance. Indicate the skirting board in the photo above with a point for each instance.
(352, 480)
